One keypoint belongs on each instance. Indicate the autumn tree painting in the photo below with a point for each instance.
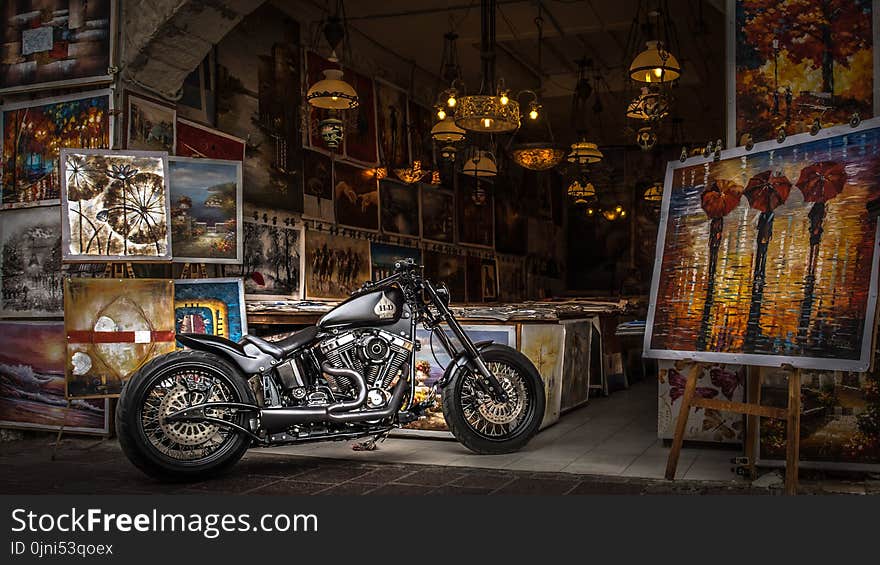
(798, 60)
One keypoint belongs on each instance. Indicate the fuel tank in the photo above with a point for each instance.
(377, 308)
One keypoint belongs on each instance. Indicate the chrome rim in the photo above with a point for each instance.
(491, 419)
(190, 441)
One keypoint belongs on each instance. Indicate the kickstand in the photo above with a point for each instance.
(370, 444)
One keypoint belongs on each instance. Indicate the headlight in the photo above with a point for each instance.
(443, 294)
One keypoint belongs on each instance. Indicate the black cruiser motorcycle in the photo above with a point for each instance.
(193, 413)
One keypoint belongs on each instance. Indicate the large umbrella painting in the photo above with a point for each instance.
(718, 200)
(766, 191)
(819, 183)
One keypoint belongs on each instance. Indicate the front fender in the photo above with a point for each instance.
(249, 359)
(460, 361)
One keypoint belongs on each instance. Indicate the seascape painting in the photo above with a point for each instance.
(196, 140)
(384, 257)
(113, 327)
(210, 307)
(318, 186)
(798, 60)
(272, 263)
(206, 210)
(356, 197)
(400, 208)
(151, 126)
(336, 265)
(114, 205)
(769, 256)
(33, 134)
(438, 214)
(32, 383)
(30, 251)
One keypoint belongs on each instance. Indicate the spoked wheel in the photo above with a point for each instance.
(181, 450)
(485, 425)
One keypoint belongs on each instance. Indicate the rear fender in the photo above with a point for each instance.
(246, 357)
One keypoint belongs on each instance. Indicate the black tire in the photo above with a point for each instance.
(523, 432)
(130, 430)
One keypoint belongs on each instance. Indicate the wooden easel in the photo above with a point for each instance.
(191, 272)
(753, 409)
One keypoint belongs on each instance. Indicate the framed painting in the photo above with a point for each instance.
(438, 213)
(476, 223)
(259, 99)
(764, 255)
(336, 265)
(448, 269)
(482, 280)
(391, 125)
(196, 140)
(56, 43)
(840, 420)
(272, 264)
(206, 210)
(356, 197)
(210, 306)
(30, 251)
(399, 208)
(511, 225)
(33, 134)
(511, 279)
(421, 145)
(576, 365)
(715, 380)
(384, 256)
(150, 126)
(198, 100)
(318, 186)
(113, 327)
(790, 62)
(360, 123)
(114, 205)
(544, 345)
(32, 383)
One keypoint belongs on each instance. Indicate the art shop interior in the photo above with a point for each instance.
(668, 206)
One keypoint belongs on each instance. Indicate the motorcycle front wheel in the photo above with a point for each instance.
(181, 451)
(488, 427)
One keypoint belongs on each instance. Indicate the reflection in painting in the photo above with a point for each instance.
(336, 265)
(318, 186)
(49, 41)
(384, 256)
(475, 215)
(438, 214)
(33, 134)
(32, 382)
(258, 99)
(196, 140)
(205, 209)
(576, 365)
(391, 123)
(30, 248)
(400, 208)
(210, 306)
(150, 126)
(449, 270)
(114, 205)
(543, 345)
(771, 253)
(797, 60)
(272, 260)
(718, 381)
(356, 196)
(113, 327)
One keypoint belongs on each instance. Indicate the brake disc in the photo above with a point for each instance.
(184, 433)
(505, 412)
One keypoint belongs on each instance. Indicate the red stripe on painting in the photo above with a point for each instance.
(86, 336)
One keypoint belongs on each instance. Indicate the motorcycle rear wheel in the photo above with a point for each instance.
(188, 451)
(488, 427)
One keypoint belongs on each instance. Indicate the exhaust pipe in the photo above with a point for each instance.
(278, 419)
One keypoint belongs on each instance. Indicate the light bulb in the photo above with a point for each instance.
(451, 102)
(533, 114)
(618, 208)
(623, 213)
(487, 122)
(589, 211)
(648, 76)
(504, 99)
(441, 114)
(658, 72)
(334, 98)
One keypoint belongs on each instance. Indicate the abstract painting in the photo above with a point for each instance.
(30, 250)
(114, 205)
(476, 224)
(336, 265)
(210, 306)
(258, 99)
(32, 382)
(151, 125)
(767, 257)
(544, 345)
(798, 60)
(438, 214)
(384, 257)
(318, 186)
(511, 279)
(272, 261)
(35, 131)
(450, 270)
(720, 381)
(399, 208)
(196, 140)
(356, 196)
(576, 365)
(840, 419)
(206, 210)
(53, 43)
(113, 327)
(391, 123)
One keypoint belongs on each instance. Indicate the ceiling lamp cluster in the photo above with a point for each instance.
(584, 152)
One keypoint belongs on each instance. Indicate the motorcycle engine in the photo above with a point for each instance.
(376, 354)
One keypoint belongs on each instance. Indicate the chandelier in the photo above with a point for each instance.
(655, 64)
(654, 193)
(332, 92)
(584, 153)
(581, 191)
(538, 156)
(445, 131)
(480, 164)
(649, 105)
(412, 174)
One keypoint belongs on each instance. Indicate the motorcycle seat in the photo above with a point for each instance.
(283, 347)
